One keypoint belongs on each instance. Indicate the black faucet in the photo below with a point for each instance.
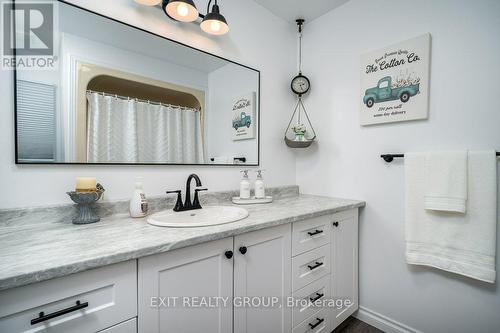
(188, 205)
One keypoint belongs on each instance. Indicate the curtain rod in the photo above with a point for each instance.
(140, 100)
(390, 157)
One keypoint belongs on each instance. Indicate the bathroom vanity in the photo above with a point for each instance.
(124, 275)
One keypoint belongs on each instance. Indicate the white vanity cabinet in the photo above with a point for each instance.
(168, 283)
(325, 266)
(262, 274)
(89, 301)
(313, 259)
(239, 284)
(344, 277)
(259, 261)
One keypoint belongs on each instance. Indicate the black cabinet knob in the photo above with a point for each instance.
(243, 249)
(228, 254)
(335, 224)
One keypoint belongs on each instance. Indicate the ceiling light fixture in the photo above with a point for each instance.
(213, 22)
(181, 10)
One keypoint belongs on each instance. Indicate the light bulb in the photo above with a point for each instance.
(215, 26)
(182, 9)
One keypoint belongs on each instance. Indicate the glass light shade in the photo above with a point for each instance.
(181, 10)
(148, 2)
(214, 23)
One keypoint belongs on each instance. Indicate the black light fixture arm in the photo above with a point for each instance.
(202, 16)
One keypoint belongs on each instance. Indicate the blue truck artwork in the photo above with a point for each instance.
(242, 121)
(385, 91)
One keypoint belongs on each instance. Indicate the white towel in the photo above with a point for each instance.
(459, 243)
(446, 181)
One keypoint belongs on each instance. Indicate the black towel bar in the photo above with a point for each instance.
(390, 157)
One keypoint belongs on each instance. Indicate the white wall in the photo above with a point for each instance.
(225, 85)
(247, 42)
(464, 113)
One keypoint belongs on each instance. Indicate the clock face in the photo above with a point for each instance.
(300, 84)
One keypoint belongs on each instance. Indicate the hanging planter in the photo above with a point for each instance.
(300, 132)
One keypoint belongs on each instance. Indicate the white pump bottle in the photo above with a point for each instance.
(138, 203)
(245, 186)
(260, 189)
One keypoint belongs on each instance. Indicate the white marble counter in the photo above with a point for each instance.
(35, 248)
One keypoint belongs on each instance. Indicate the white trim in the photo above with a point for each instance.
(382, 322)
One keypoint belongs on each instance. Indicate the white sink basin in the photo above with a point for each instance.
(213, 215)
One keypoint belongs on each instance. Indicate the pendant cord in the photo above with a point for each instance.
(300, 50)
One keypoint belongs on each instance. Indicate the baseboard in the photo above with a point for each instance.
(382, 322)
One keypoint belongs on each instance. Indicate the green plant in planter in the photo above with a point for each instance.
(300, 131)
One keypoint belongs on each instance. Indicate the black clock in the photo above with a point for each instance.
(300, 84)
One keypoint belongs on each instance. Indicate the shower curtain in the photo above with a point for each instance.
(129, 131)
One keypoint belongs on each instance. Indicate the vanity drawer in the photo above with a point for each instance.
(310, 266)
(318, 322)
(310, 234)
(316, 291)
(84, 302)
(129, 326)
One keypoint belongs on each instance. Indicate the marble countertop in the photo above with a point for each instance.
(34, 249)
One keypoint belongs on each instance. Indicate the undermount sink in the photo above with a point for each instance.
(204, 217)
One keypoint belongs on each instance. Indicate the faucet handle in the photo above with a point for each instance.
(178, 205)
(176, 191)
(196, 201)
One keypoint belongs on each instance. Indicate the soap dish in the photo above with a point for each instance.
(252, 200)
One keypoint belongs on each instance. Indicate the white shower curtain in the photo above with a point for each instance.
(129, 131)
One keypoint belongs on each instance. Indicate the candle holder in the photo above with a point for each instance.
(85, 202)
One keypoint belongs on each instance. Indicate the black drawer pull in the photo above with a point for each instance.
(318, 264)
(315, 232)
(335, 224)
(319, 321)
(228, 254)
(318, 296)
(44, 317)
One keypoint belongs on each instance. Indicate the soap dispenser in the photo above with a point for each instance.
(138, 203)
(260, 190)
(245, 186)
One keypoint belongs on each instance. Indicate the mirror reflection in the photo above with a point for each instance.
(152, 101)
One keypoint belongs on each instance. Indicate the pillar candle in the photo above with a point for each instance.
(86, 184)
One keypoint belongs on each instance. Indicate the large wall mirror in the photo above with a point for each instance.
(121, 95)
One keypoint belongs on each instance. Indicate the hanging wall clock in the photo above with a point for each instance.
(300, 84)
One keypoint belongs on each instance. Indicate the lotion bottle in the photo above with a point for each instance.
(138, 203)
(245, 186)
(260, 190)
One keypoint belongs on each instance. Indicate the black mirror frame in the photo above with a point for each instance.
(17, 162)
